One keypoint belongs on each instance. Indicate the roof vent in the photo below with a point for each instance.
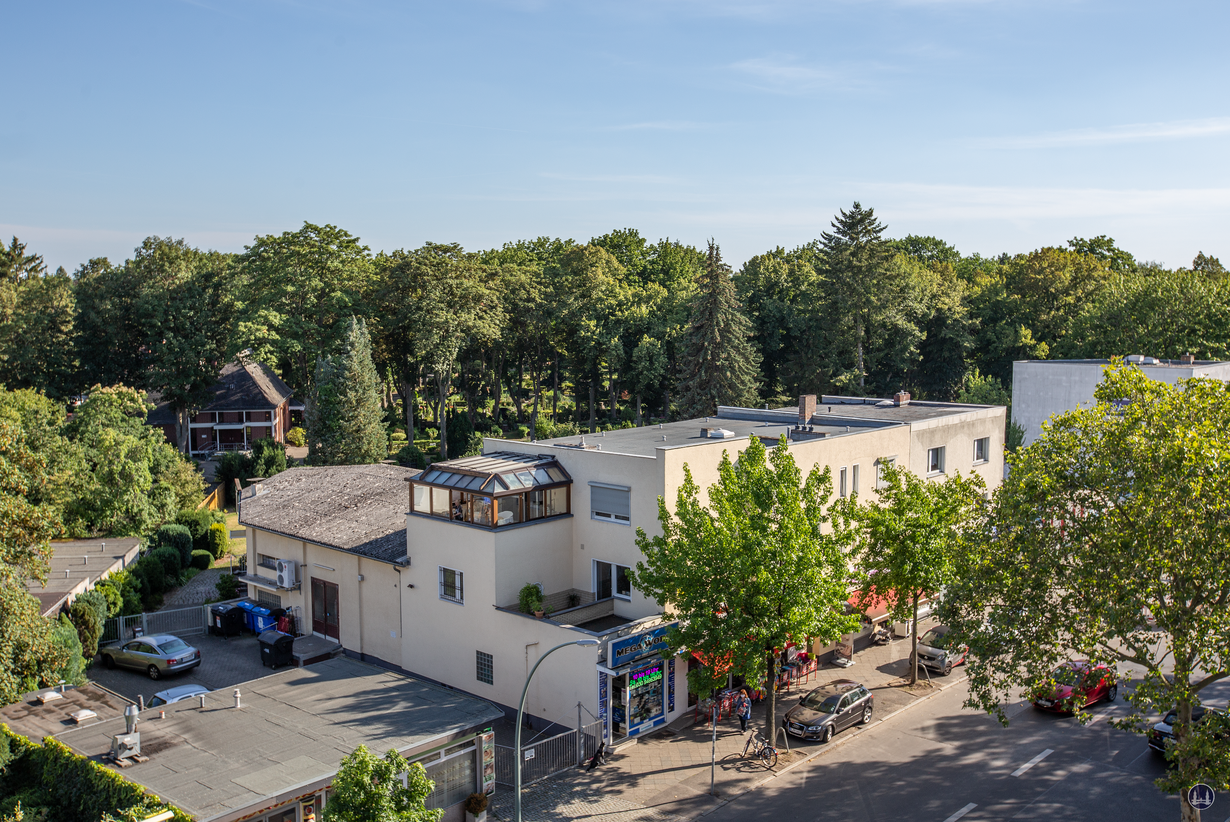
(1188, 359)
(901, 398)
(716, 433)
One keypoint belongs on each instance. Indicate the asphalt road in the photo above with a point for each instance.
(940, 763)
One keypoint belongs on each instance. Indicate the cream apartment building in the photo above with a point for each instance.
(432, 588)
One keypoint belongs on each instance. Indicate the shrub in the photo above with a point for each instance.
(113, 595)
(232, 465)
(197, 521)
(64, 636)
(88, 613)
(397, 436)
(228, 587)
(268, 458)
(529, 599)
(219, 540)
(412, 456)
(202, 559)
(522, 431)
(171, 562)
(476, 803)
(296, 437)
(179, 538)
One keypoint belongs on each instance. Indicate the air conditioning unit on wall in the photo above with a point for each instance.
(286, 573)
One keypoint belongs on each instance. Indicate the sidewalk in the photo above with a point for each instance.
(665, 777)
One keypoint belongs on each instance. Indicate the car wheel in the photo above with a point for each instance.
(1112, 692)
(828, 734)
(947, 669)
(153, 672)
(108, 661)
(866, 715)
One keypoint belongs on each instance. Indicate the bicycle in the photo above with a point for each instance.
(761, 749)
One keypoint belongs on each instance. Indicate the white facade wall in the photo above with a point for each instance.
(1044, 388)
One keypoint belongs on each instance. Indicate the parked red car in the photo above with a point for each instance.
(1076, 684)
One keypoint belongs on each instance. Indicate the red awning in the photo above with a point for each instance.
(723, 661)
(877, 608)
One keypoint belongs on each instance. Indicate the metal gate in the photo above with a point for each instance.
(178, 621)
(548, 757)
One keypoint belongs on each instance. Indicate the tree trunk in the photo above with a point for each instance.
(497, 372)
(914, 645)
(407, 399)
(638, 409)
(534, 413)
(555, 386)
(442, 383)
(771, 698)
(593, 398)
(182, 428)
(858, 332)
(518, 400)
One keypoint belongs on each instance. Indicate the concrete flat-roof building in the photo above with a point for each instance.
(1044, 388)
(273, 758)
(562, 514)
(77, 565)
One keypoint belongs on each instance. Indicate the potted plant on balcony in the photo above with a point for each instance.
(530, 599)
(476, 807)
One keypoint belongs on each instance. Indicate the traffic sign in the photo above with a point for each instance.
(1200, 796)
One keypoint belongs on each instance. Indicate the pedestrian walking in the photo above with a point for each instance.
(743, 709)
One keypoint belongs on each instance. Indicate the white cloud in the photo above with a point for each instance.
(786, 75)
(1113, 135)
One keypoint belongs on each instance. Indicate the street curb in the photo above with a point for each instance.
(831, 746)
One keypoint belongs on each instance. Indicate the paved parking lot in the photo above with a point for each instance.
(224, 664)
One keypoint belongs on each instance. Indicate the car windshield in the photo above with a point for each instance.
(935, 638)
(824, 703)
(1068, 676)
(173, 646)
(156, 701)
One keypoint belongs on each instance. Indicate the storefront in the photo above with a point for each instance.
(636, 690)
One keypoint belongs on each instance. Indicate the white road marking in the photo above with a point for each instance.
(1032, 762)
(961, 812)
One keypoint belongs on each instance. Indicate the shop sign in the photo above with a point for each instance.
(670, 686)
(488, 761)
(631, 648)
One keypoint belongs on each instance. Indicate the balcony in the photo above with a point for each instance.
(578, 609)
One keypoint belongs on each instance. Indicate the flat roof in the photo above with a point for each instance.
(1156, 363)
(834, 417)
(78, 564)
(360, 509)
(36, 720)
(294, 729)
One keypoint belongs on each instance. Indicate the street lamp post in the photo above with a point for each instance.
(520, 716)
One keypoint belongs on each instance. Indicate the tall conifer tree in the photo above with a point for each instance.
(345, 425)
(718, 364)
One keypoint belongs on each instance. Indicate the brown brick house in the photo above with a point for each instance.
(249, 402)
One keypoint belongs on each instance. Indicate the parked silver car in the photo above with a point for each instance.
(937, 652)
(829, 709)
(155, 655)
(180, 692)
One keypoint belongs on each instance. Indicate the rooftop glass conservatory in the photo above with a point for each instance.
(493, 490)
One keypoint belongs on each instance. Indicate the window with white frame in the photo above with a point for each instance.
(935, 460)
(854, 480)
(841, 483)
(612, 503)
(484, 667)
(982, 449)
(450, 585)
(882, 464)
(611, 580)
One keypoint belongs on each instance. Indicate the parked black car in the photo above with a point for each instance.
(1161, 735)
(828, 709)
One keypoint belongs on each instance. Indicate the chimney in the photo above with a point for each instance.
(901, 398)
(1188, 359)
(807, 407)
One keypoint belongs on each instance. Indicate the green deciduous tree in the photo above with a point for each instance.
(30, 656)
(907, 540)
(88, 613)
(718, 365)
(38, 341)
(1117, 511)
(752, 569)
(345, 423)
(298, 290)
(369, 788)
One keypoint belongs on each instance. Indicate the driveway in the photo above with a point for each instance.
(225, 663)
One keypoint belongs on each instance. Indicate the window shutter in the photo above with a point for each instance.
(614, 501)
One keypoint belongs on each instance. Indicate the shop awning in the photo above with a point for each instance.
(722, 662)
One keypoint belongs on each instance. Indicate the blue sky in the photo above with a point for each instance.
(997, 125)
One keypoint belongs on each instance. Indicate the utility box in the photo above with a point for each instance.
(287, 570)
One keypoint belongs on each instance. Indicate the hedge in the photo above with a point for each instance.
(202, 559)
(70, 786)
(219, 540)
(178, 537)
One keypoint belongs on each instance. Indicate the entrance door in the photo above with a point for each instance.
(324, 608)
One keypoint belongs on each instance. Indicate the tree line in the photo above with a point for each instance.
(602, 332)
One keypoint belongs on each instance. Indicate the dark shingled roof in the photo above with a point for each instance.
(355, 508)
(241, 387)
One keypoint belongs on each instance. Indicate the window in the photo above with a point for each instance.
(854, 481)
(841, 483)
(450, 585)
(266, 561)
(982, 447)
(611, 580)
(485, 667)
(268, 599)
(881, 464)
(610, 502)
(935, 460)
(454, 778)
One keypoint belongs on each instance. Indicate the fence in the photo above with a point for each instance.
(548, 757)
(213, 500)
(179, 621)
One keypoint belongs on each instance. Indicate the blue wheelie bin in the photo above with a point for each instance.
(262, 619)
